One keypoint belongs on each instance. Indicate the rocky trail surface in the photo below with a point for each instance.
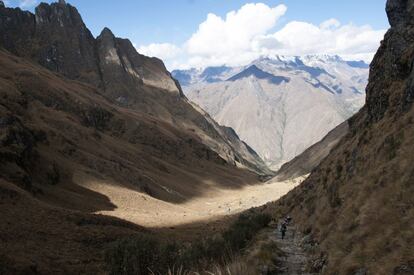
(295, 259)
(274, 255)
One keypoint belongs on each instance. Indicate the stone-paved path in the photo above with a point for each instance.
(295, 259)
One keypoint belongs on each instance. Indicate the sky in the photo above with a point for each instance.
(200, 33)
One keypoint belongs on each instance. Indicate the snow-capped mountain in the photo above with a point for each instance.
(279, 105)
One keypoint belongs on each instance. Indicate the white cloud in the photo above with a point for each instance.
(298, 38)
(248, 33)
(169, 53)
(330, 24)
(162, 50)
(25, 4)
(217, 36)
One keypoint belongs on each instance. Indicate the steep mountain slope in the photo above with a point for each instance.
(305, 162)
(56, 37)
(78, 112)
(358, 204)
(279, 105)
(53, 129)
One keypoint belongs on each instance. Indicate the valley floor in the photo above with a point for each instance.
(215, 203)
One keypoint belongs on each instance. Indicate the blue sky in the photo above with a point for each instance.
(148, 22)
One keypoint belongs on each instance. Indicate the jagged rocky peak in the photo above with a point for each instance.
(106, 32)
(106, 46)
(2, 4)
(57, 38)
(125, 67)
(65, 43)
(151, 70)
(58, 13)
(120, 78)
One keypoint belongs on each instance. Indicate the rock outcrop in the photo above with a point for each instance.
(124, 71)
(57, 38)
(64, 43)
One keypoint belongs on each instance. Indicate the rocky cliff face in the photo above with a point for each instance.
(64, 44)
(56, 38)
(124, 71)
(357, 206)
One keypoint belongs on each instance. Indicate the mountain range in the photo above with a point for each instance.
(279, 105)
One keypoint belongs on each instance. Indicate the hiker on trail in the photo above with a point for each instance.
(283, 229)
(288, 219)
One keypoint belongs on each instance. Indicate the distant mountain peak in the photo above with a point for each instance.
(296, 59)
(358, 64)
(323, 57)
(211, 74)
(253, 70)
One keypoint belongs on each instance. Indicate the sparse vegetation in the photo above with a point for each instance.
(244, 229)
(53, 175)
(146, 255)
(140, 255)
(391, 145)
(96, 117)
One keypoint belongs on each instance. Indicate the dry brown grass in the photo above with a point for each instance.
(53, 129)
(362, 215)
(236, 267)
